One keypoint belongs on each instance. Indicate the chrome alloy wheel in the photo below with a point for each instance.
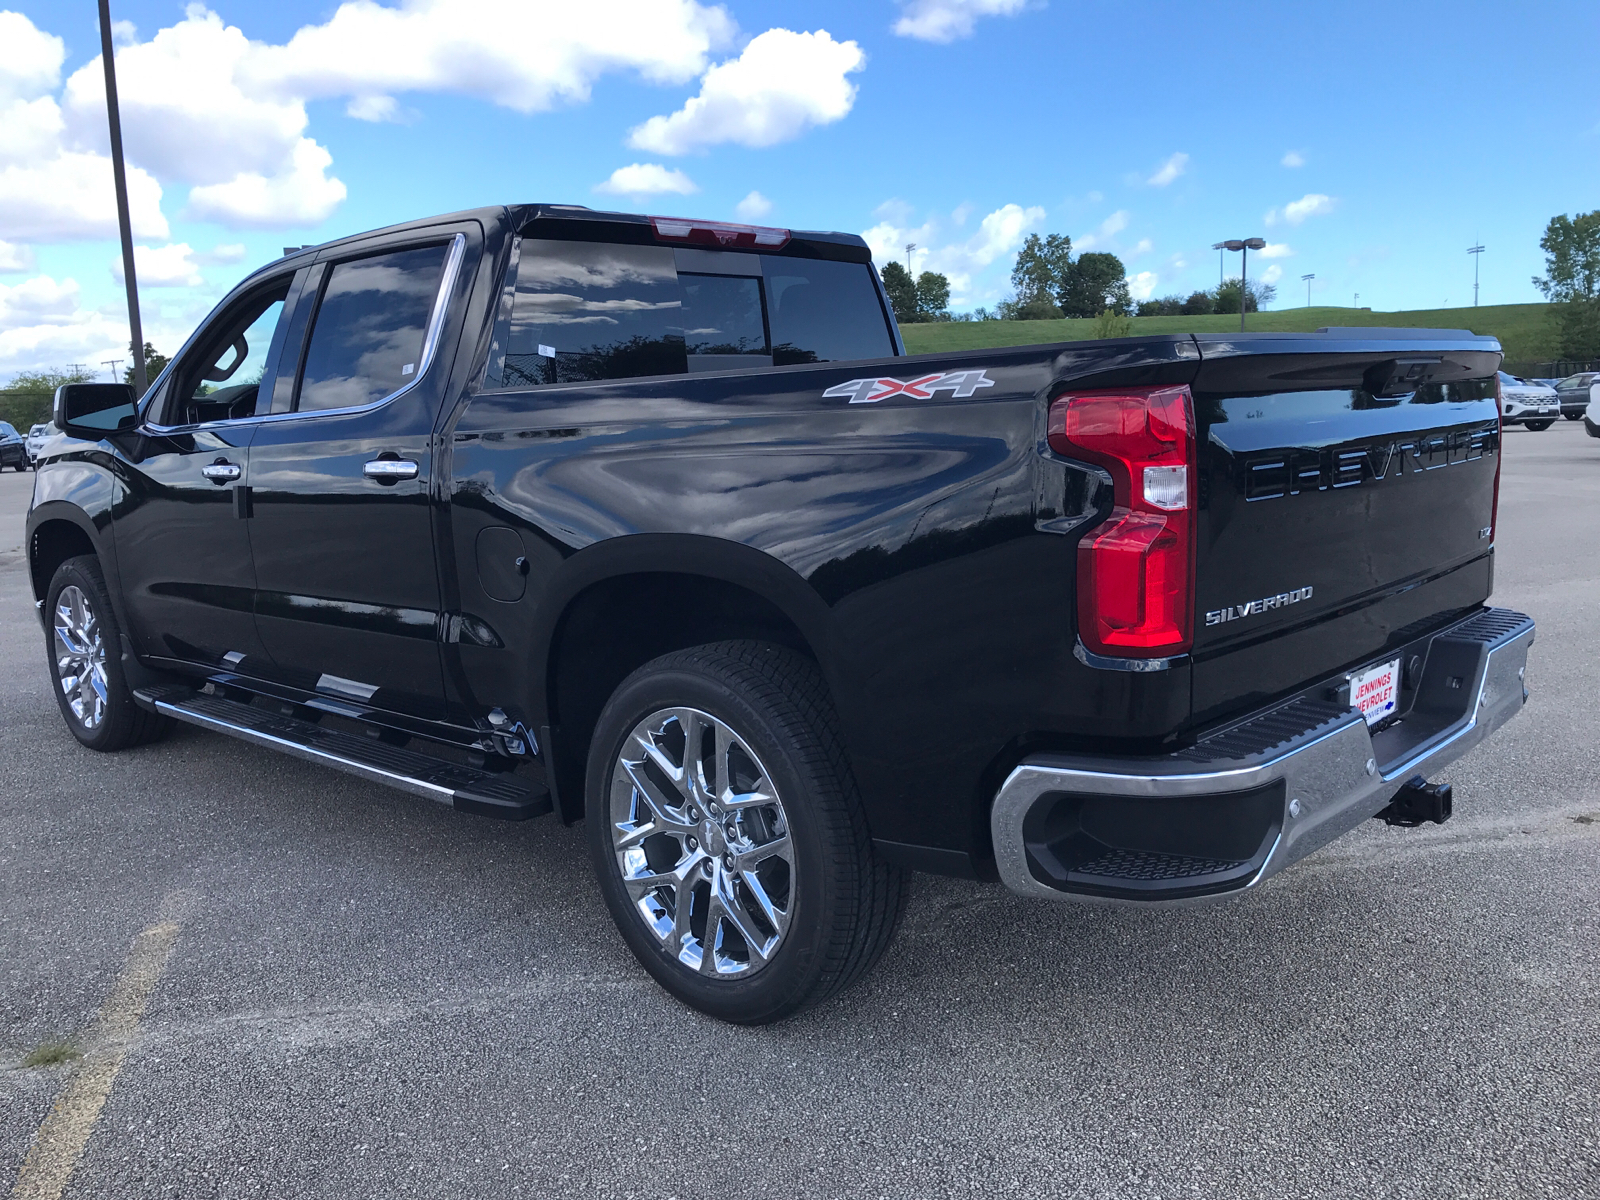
(80, 656)
(702, 843)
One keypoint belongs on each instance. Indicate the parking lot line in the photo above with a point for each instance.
(65, 1131)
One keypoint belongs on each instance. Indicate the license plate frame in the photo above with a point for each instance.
(1375, 691)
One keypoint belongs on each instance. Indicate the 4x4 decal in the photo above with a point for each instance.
(960, 384)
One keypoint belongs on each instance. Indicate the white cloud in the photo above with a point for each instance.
(15, 258)
(527, 55)
(32, 61)
(204, 105)
(1143, 285)
(1144, 246)
(49, 189)
(753, 207)
(1169, 170)
(1276, 250)
(646, 179)
(1293, 159)
(41, 325)
(1312, 204)
(948, 20)
(1272, 274)
(780, 85)
(301, 195)
(1107, 229)
(162, 266)
(998, 235)
(226, 252)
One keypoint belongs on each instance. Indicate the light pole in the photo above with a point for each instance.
(1475, 251)
(1243, 246)
(1306, 279)
(120, 178)
(910, 246)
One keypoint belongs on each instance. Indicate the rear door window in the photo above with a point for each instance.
(591, 310)
(370, 327)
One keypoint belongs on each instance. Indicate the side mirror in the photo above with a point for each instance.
(92, 410)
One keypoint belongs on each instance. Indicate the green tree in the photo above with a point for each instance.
(933, 297)
(1225, 297)
(48, 380)
(154, 363)
(1040, 273)
(1096, 282)
(1112, 325)
(1199, 304)
(1571, 248)
(1571, 282)
(902, 292)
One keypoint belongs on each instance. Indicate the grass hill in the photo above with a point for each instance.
(1525, 330)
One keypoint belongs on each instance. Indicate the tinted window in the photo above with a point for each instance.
(823, 311)
(722, 315)
(370, 327)
(588, 310)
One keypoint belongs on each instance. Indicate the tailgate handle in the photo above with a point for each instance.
(1399, 376)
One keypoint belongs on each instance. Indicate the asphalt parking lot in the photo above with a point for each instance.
(370, 996)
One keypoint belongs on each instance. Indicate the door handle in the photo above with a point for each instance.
(221, 471)
(390, 470)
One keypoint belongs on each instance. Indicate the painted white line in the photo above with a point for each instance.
(65, 1131)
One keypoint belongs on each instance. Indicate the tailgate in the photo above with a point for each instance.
(1346, 497)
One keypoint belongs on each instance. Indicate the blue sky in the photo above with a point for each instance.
(1371, 144)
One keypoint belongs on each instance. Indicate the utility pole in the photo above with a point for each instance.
(116, 367)
(910, 246)
(1356, 303)
(1306, 279)
(1475, 251)
(119, 175)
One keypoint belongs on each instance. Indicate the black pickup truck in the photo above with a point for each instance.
(538, 509)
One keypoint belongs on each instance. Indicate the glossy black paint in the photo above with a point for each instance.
(923, 550)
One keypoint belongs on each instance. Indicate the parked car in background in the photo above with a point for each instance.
(1525, 403)
(13, 451)
(37, 437)
(1573, 393)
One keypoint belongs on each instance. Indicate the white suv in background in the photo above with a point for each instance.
(1532, 404)
(1591, 415)
(37, 437)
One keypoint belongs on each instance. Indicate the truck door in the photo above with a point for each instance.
(183, 549)
(347, 594)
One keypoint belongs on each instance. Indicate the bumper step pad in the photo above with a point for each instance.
(486, 793)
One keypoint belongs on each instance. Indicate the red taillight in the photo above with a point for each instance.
(721, 234)
(1135, 571)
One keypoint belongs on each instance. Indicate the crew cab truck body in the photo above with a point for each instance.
(652, 522)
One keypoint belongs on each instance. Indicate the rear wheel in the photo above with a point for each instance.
(1577, 416)
(83, 644)
(1540, 426)
(728, 835)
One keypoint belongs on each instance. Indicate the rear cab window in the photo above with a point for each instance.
(575, 311)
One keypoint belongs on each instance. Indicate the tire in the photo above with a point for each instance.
(1577, 416)
(83, 647)
(812, 906)
(1540, 426)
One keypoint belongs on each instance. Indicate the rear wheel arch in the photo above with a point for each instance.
(618, 611)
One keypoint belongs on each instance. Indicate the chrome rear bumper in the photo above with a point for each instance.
(1250, 799)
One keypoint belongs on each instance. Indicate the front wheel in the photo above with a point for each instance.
(83, 643)
(728, 835)
(1540, 426)
(1577, 416)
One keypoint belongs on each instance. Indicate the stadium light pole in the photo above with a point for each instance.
(1306, 279)
(120, 178)
(1475, 251)
(910, 246)
(1243, 246)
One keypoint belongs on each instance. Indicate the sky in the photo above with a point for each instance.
(1370, 144)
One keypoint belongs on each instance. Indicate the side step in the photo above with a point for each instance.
(485, 793)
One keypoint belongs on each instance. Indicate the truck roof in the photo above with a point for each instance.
(576, 222)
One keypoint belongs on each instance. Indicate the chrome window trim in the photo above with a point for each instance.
(430, 346)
